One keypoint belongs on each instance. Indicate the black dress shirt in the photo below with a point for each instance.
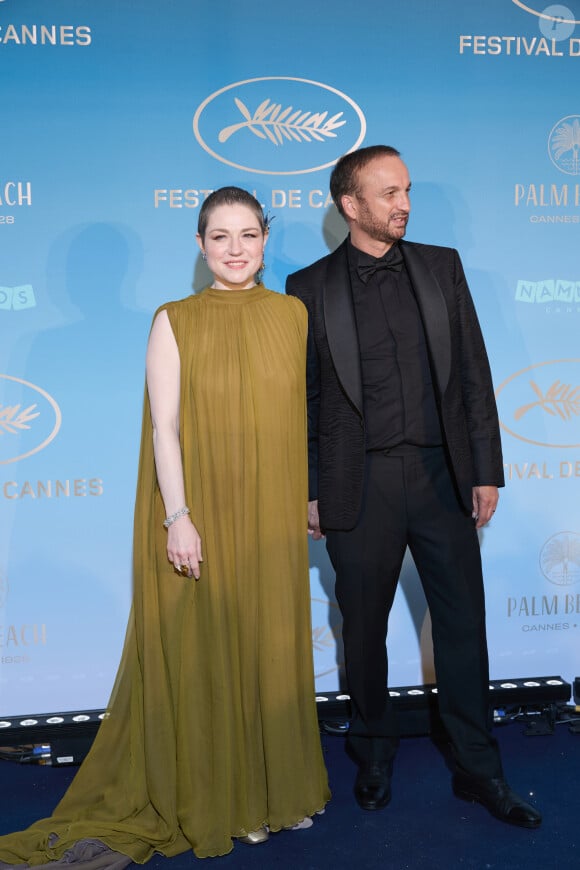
(398, 395)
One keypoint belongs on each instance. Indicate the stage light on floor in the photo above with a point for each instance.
(417, 707)
(70, 735)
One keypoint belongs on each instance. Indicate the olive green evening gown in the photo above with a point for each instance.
(211, 729)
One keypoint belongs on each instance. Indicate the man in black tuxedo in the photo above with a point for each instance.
(404, 451)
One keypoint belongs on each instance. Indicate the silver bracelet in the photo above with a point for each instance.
(180, 513)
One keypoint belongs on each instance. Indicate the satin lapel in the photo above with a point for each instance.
(341, 326)
(434, 312)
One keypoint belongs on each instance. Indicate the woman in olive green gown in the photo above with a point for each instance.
(211, 731)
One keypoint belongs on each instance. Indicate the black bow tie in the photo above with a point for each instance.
(367, 269)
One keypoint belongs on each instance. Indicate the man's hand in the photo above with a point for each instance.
(485, 499)
(314, 521)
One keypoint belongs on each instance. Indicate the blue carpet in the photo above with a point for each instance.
(425, 826)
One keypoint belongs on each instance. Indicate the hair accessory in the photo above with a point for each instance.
(180, 513)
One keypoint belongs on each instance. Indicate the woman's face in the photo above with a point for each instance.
(234, 246)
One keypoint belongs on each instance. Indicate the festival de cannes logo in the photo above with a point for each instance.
(557, 13)
(541, 404)
(560, 559)
(564, 145)
(278, 125)
(29, 419)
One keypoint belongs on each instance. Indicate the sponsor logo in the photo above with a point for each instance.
(16, 193)
(541, 404)
(278, 125)
(563, 199)
(560, 559)
(22, 635)
(16, 298)
(550, 292)
(544, 605)
(564, 145)
(29, 419)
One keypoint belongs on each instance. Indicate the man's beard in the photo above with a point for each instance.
(375, 228)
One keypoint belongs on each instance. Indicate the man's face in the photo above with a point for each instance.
(379, 212)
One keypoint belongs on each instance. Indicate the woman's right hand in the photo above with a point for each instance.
(184, 547)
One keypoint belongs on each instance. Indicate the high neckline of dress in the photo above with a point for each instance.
(236, 297)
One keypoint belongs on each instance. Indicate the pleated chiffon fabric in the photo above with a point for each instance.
(211, 730)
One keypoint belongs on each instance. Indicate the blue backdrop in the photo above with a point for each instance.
(118, 119)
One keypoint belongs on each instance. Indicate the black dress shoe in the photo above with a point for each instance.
(497, 797)
(372, 787)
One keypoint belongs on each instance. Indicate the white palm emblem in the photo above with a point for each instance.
(567, 138)
(561, 558)
(270, 121)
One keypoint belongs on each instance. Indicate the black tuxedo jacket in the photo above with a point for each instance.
(460, 370)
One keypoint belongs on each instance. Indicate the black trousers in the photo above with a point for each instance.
(409, 501)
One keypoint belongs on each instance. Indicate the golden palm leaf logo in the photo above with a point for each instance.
(539, 408)
(560, 400)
